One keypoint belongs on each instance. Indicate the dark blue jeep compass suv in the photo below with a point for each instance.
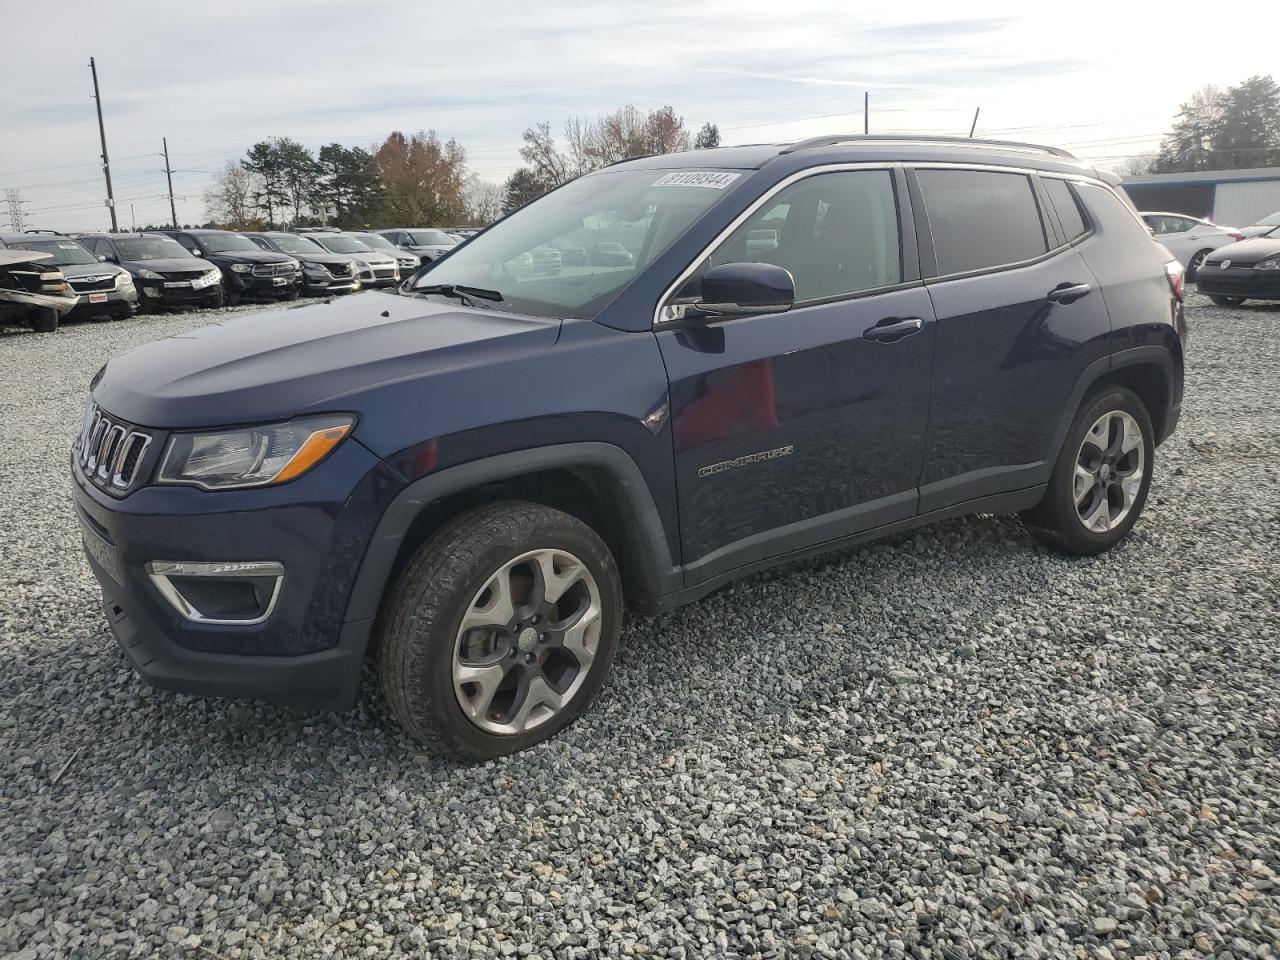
(807, 346)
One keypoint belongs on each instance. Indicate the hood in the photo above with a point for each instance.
(1245, 253)
(165, 265)
(328, 259)
(1259, 230)
(309, 358)
(251, 256)
(81, 270)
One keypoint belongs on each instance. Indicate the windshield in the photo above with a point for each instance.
(570, 252)
(226, 242)
(296, 244)
(430, 238)
(66, 253)
(153, 248)
(378, 242)
(344, 245)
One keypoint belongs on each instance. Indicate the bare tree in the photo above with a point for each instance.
(229, 201)
(484, 200)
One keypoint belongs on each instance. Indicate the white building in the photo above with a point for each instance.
(1234, 198)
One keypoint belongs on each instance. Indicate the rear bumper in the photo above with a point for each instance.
(1239, 282)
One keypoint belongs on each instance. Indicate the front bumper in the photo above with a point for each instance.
(255, 287)
(1238, 282)
(380, 277)
(121, 302)
(159, 293)
(323, 285)
(304, 653)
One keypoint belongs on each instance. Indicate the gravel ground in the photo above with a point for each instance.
(953, 744)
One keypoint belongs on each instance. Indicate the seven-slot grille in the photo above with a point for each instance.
(110, 451)
(272, 269)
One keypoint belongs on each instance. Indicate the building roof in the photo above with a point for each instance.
(1203, 177)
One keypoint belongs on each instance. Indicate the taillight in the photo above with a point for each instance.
(1235, 236)
(1173, 273)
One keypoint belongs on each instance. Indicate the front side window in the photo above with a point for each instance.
(431, 238)
(837, 234)
(980, 219)
(570, 252)
(1066, 206)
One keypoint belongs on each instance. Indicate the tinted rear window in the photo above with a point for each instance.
(980, 219)
(1065, 205)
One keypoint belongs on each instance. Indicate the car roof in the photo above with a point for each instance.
(150, 235)
(864, 148)
(24, 237)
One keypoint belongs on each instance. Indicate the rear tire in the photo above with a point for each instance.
(1100, 482)
(44, 320)
(1226, 301)
(500, 629)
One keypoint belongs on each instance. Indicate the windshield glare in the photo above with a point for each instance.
(570, 252)
(377, 241)
(431, 238)
(344, 245)
(66, 253)
(153, 248)
(226, 243)
(295, 244)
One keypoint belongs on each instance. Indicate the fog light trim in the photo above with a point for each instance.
(161, 572)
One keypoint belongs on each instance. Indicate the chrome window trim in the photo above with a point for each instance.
(161, 570)
(746, 214)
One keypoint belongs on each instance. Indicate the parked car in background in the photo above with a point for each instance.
(429, 244)
(610, 253)
(407, 261)
(33, 292)
(165, 273)
(377, 269)
(462, 232)
(248, 271)
(476, 479)
(1268, 226)
(1248, 270)
(1190, 239)
(101, 289)
(323, 273)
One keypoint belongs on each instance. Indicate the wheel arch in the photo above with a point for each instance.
(598, 483)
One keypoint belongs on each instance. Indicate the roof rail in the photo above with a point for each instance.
(56, 233)
(829, 141)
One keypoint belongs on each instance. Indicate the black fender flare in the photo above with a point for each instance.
(646, 534)
(1148, 355)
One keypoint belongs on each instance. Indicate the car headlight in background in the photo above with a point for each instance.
(295, 264)
(252, 456)
(208, 280)
(362, 265)
(124, 279)
(149, 275)
(1271, 264)
(242, 267)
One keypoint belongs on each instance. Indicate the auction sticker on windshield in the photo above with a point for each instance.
(716, 181)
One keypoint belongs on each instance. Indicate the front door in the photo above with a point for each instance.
(795, 428)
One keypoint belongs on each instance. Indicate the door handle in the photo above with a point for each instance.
(1068, 292)
(893, 328)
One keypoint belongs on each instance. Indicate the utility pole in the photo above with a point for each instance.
(866, 111)
(102, 134)
(13, 197)
(173, 211)
(974, 126)
(133, 221)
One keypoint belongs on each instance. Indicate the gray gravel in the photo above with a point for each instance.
(954, 744)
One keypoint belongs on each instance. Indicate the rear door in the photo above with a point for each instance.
(795, 428)
(1019, 317)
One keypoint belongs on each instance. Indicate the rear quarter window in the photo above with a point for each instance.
(1067, 207)
(981, 219)
(1111, 214)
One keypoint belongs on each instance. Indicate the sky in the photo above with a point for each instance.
(215, 78)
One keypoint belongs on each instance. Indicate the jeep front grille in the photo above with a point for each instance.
(109, 451)
(272, 269)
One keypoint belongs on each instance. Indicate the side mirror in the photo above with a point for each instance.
(102, 257)
(735, 289)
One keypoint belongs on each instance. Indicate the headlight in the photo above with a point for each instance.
(149, 275)
(362, 265)
(124, 279)
(1272, 264)
(208, 280)
(295, 264)
(252, 456)
(242, 267)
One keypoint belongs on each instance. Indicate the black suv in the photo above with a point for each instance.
(323, 273)
(812, 346)
(248, 271)
(165, 273)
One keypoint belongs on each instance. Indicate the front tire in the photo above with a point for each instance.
(1226, 301)
(1193, 265)
(500, 630)
(1100, 481)
(45, 320)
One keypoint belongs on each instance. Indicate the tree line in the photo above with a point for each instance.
(1228, 129)
(419, 180)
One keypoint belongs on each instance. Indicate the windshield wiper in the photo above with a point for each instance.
(471, 296)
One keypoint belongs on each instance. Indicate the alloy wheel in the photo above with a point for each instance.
(527, 641)
(1109, 471)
